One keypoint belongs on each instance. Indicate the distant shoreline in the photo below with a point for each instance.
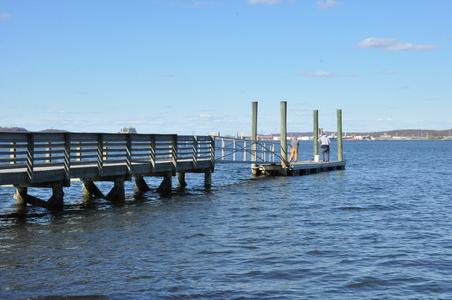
(390, 135)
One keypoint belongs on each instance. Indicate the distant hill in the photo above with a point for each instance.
(20, 129)
(12, 129)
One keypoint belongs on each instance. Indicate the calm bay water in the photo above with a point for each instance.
(380, 229)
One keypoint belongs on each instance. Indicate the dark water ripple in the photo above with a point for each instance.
(378, 230)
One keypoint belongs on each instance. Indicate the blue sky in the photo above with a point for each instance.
(193, 67)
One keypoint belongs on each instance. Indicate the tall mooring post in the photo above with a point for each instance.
(284, 134)
(254, 138)
(339, 135)
(316, 132)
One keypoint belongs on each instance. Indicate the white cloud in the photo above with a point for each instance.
(195, 4)
(390, 72)
(252, 2)
(136, 122)
(327, 4)
(387, 44)
(315, 73)
(5, 16)
(205, 116)
(61, 112)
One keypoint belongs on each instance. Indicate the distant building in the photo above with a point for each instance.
(129, 129)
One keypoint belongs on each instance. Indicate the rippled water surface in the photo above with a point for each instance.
(380, 229)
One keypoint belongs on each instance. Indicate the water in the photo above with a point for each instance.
(380, 229)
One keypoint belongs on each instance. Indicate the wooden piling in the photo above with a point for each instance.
(316, 132)
(208, 179)
(117, 193)
(140, 185)
(90, 189)
(181, 183)
(284, 134)
(166, 186)
(339, 135)
(254, 169)
(56, 200)
(20, 195)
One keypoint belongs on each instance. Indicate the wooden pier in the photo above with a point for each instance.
(53, 160)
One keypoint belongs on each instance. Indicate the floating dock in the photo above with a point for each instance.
(284, 167)
(299, 168)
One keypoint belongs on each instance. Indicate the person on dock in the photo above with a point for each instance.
(294, 151)
(325, 142)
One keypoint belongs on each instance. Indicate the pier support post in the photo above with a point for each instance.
(208, 179)
(181, 183)
(166, 185)
(56, 201)
(316, 132)
(117, 193)
(23, 198)
(254, 169)
(90, 189)
(339, 135)
(140, 185)
(284, 134)
(20, 195)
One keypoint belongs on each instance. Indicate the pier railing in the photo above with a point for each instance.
(234, 150)
(27, 158)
